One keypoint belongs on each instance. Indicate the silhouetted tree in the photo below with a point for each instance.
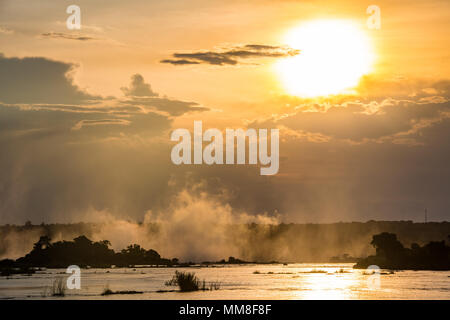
(390, 254)
(83, 252)
(387, 245)
(43, 243)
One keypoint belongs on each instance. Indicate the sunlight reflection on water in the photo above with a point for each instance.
(294, 281)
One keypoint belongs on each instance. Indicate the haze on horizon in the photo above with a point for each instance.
(86, 115)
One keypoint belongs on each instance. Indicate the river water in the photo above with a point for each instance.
(273, 281)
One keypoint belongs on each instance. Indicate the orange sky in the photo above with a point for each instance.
(378, 152)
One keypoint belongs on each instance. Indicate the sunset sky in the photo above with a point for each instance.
(86, 115)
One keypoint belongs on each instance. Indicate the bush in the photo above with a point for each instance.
(188, 281)
(59, 287)
(107, 291)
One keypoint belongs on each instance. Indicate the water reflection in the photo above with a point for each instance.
(295, 281)
(335, 284)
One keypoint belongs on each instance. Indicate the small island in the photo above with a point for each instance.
(391, 254)
(84, 253)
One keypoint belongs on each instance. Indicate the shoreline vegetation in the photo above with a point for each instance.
(188, 281)
(107, 291)
(89, 254)
(284, 242)
(390, 254)
(85, 253)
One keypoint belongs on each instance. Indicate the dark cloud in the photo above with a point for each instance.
(139, 88)
(63, 147)
(66, 152)
(39, 80)
(374, 115)
(172, 107)
(140, 94)
(67, 36)
(58, 162)
(358, 122)
(358, 158)
(380, 157)
(231, 56)
(99, 122)
(179, 61)
(80, 124)
(214, 58)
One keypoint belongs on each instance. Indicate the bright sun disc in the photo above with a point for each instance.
(334, 54)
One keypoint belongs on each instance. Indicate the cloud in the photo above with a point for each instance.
(141, 94)
(59, 160)
(75, 125)
(85, 123)
(139, 88)
(231, 56)
(64, 149)
(172, 107)
(67, 36)
(382, 154)
(46, 84)
(39, 80)
(39, 101)
(179, 61)
(393, 121)
(382, 110)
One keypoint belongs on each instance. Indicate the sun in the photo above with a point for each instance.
(334, 54)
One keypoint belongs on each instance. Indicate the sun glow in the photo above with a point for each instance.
(334, 54)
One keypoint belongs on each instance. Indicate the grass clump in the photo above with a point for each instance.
(58, 288)
(107, 292)
(188, 281)
(316, 271)
(110, 292)
(341, 270)
(271, 272)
